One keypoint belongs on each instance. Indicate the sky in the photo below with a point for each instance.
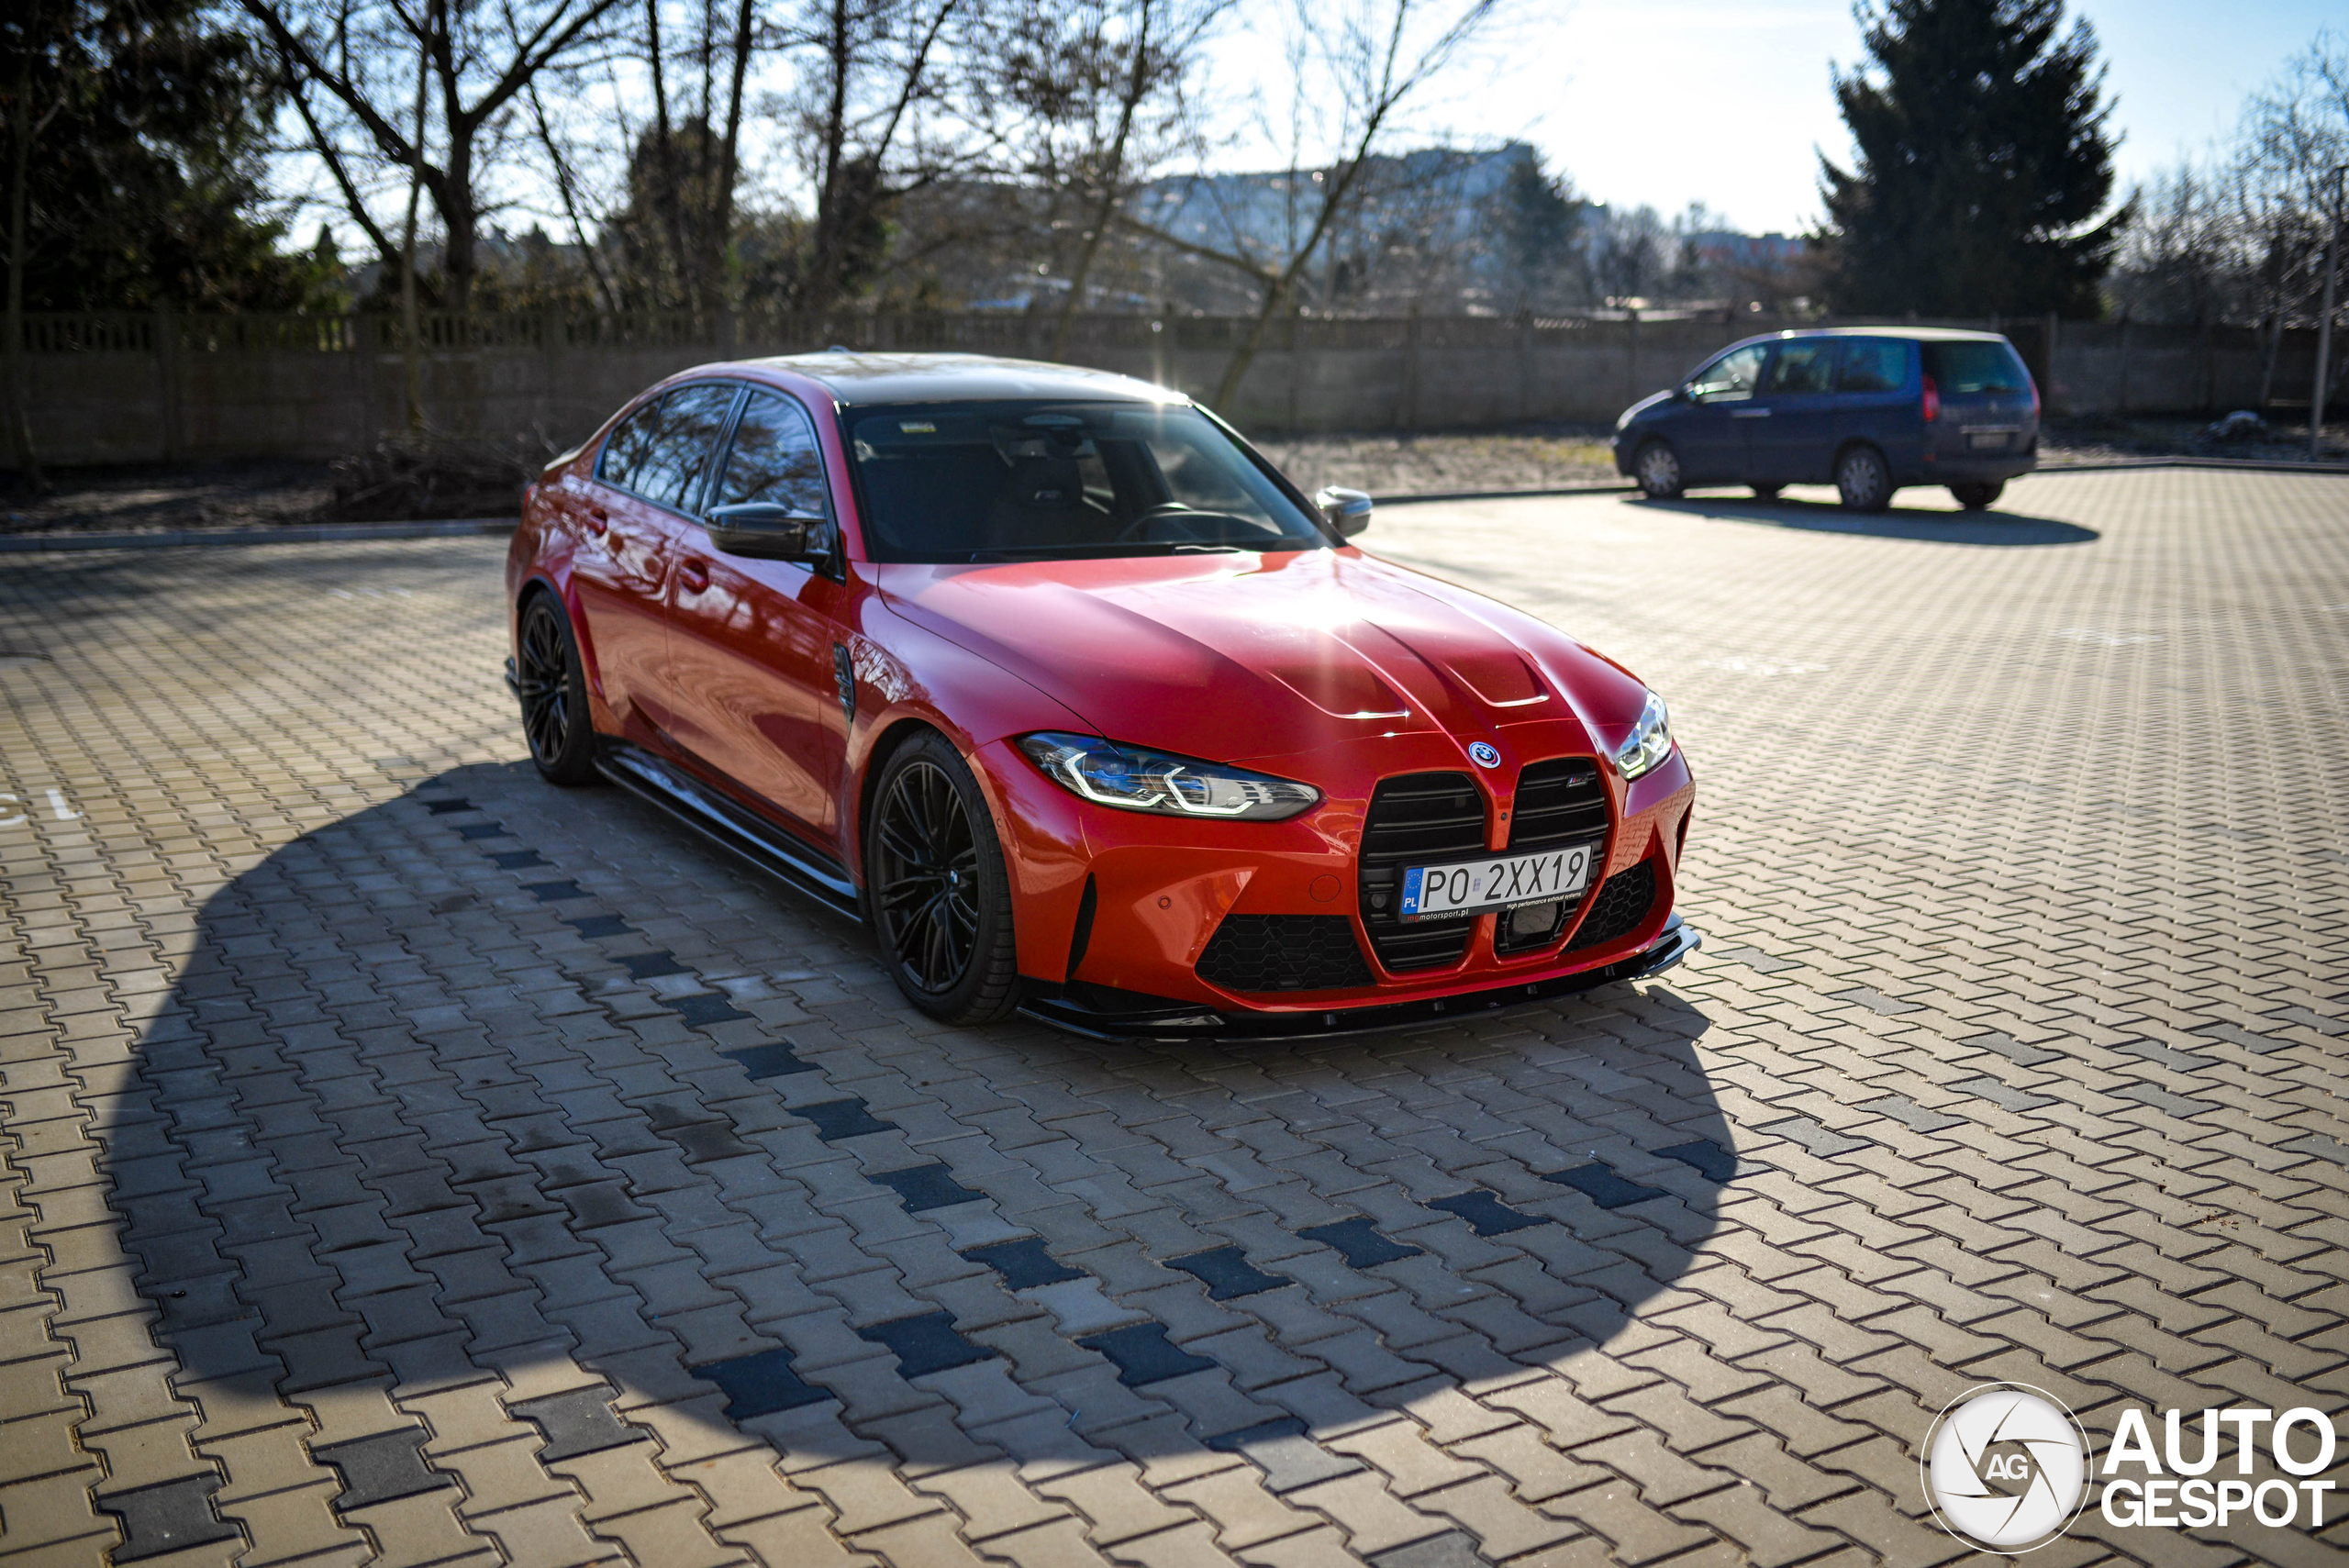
(1728, 102)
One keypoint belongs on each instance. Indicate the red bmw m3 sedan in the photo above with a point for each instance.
(1049, 678)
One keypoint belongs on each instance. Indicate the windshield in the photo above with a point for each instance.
(1009, 481)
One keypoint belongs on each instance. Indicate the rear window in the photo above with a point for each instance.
(1974, 367)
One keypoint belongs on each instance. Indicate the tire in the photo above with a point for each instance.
(1974, 497)
(1657, 468)
(935, 887)
(1767, 492)
(1863, 479)
(553, 689)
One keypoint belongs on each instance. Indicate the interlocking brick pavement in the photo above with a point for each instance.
(405, 1161)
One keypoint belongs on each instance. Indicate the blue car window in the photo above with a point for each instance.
(773, 459)
(1803, 365)
(1732, 376)
(1874, 364)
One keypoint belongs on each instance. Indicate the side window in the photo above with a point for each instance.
(1874, 364)
(630, 447)
(1731, 377)
(686, 441)
(1803, 365)
(773, 459)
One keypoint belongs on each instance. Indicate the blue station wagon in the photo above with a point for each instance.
(1868, 409)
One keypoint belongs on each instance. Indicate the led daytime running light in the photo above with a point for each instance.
(1650, 742)
(1133, 779)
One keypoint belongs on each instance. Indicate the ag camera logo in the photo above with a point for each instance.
(2005, 1467)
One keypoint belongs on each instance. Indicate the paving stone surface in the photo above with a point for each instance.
(408, 1162)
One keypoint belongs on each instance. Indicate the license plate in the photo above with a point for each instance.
(1503, 882)
(1988, 440)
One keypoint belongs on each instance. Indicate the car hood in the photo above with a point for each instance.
(1233, 656)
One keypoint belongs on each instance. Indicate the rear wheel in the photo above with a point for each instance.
(935, 884)
(1974, 497)
(552, 685)
(1863, 479)
(1657, 469)
(1767, 492)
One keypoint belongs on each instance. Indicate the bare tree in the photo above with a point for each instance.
(354, 53)
(37, 95)
(1357, 65)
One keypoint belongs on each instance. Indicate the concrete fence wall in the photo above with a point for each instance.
(144, 388)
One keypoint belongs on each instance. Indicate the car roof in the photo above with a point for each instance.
(1919, 333)
(856, 376)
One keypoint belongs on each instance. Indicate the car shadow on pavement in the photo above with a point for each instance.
(1994, 528)
(496, 1091)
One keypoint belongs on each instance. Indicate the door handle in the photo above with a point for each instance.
(694, 575)
(598, 518)
(1750, 414)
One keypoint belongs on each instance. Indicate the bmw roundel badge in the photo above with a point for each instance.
(1485, 755)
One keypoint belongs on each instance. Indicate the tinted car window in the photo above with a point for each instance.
(1874, 364)
(1803, 365)
(1046, 481)
(773, 459)
(660, 450)
(1974, 367)
(1731, 376)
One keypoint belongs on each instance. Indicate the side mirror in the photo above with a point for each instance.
(1348, 511)
(765, 531)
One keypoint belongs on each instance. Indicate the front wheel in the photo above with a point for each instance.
(1974, 497)
(552, 683)
(1657, 469)
(1862, 481)
(936, 887)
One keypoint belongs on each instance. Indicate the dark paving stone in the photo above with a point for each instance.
(705, 1008)
(483, 830)
(2259, 1044)
(1599, 1184)
(927, 1343)
(1487, 1214)
(515, 859)
(775, 1060)
(1142, 1356)
(169, 1518)
(598, 925)
(1712, 1162)
(1024, 1264)
(1999, 1094)
(2013, 1050)
(579, 1421)
(1358, 1242)
(380, 1468)
(1820, 1138)
(1908, 1112)
(1452, 1549)
(1878, 1002)
(443, 808)
(760, 1385)
(1288, 1457)
(917, 1186)
(651, 965)
(554, 892)
(2178, 1106)
(1753, 958)
(842, 1118)
(1227, 1273)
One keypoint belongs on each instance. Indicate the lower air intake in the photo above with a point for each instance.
(1623, 901)
(1284, 952)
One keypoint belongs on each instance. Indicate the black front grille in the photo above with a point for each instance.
(1560, 802)
(1284, 952)
(1622, 903)
(1416, 819)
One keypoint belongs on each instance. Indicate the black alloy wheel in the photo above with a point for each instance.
(1976, 496)
(935, 884)
(552, 685)
(1862, 481)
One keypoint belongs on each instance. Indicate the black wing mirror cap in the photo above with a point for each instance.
(1348, 511)
(765, 531)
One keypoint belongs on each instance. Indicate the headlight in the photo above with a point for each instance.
(1134, 780)
(1650, 742)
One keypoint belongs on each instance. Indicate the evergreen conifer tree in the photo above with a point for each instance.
(1984, 162)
